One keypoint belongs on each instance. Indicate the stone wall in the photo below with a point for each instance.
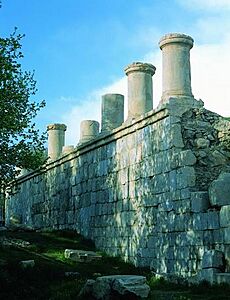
(154, 191)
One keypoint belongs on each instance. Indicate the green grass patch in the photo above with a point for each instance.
(47, 279)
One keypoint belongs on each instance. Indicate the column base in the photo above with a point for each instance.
(177, 105)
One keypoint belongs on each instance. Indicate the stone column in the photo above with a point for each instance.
(140, 88)
(112, 111)
(89, 129)
(56, 140)
(176, 71)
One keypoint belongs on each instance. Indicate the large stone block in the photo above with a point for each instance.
(105, 286)
(199, 201)
(223, 278)
(213, 259)
(213, 220)
(225, 216)
(200, 221)
(227, 235)
(218, 236)
(209, 275)
(160, 183)
(186, 158)
(176, 136)
(186, 177)
(219, 190)
(27, 264)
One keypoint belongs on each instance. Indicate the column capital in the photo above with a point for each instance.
(112, 95)
(56, 127)
(140, 67)
(176, 38)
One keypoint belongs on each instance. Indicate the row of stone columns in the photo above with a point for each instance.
(176, 82)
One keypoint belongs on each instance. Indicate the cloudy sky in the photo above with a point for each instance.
(79, 48)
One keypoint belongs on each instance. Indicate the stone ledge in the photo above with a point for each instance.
(103, 139)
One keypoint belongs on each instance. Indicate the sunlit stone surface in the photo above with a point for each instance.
(155, 191)
(56, 139)
(140, 88)
(112, 112)
(176, 69)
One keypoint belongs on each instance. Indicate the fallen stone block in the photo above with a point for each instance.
(124, 285)
(219, 190)
(81, 255)
(87, 289)
(27, 264)
(72, 274)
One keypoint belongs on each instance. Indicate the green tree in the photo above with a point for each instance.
(21, 145)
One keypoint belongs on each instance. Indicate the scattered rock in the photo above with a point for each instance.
(81, 255)
(7, 242)
(72, 274)
(202, 143)
(27, 264)
(133, 284)
(124, 285)
(87, 289)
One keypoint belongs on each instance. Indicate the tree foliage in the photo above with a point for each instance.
(21, 145)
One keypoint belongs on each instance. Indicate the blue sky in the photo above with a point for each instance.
(79, 48)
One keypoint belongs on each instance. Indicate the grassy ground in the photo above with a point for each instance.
(47, 280)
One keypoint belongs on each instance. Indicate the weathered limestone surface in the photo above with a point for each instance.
(112, 112)
(176, 72)
(142, 192)
(219, 190)
(124, 285)
(89, 129)
(140, 88)
(56, 139)
(114, 286)
(81, 255)
(27, 264)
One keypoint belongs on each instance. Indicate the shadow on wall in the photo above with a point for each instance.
(139, 192)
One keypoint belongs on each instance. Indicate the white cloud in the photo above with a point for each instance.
(211, 29)
(206, 4)
(210, 64)
(155, 59)
(89, 109)
(210, 80)
(210, 57)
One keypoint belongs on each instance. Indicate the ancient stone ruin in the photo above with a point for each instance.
(154, 189)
